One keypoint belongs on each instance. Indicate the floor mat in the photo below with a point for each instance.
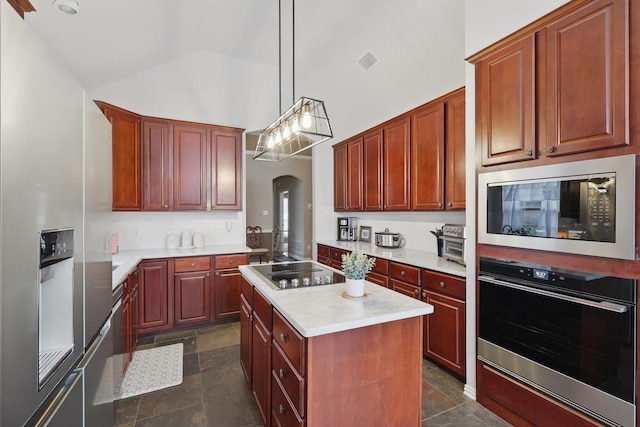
(152, 369)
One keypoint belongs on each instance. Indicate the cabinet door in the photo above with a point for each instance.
(505, 103)
(354, 175)
(587, 83)
(246, 339)
(156, 166)
(135, 310)
(444, 332)
(455, 168)
(191, 303)
(372, 170)
(227, 293)
(260, 380)
(340, 177)
(427, 158)
(397, 154)
(127, 163)
(226, 170)
(189, 167)
(126, 333)
(154, 295)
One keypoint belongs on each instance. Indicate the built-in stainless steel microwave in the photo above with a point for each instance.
(585, 207)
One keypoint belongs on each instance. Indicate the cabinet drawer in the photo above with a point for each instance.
(282, 411)
(291, 380)
(323, 251)
(230, 261)
(444, 284)
(336, 254)
(291, 342)
(262, 309)
(381, 267)
(184, 265)
(406, 273)
(378, 279)
(405, 288)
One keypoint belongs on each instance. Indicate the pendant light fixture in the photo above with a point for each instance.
(300, 127)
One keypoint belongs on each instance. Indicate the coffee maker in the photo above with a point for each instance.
(347, 228)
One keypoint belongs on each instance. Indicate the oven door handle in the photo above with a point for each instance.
(603, 305)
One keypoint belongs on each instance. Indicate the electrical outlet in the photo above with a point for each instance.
(135, 233)
(265, 213)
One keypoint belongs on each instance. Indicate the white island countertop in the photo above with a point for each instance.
(126, 261)
(320, 310)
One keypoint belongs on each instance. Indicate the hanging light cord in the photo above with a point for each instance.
(293, 53)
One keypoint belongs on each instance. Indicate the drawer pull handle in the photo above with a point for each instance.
(283, 337)
(282, 373)
(403, 273)
(442, 284)
(281, 408)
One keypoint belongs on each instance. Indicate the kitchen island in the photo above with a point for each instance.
(334, 360)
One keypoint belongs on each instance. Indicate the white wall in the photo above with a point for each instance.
(486, 22)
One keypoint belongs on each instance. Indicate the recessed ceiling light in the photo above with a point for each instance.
(67, 6)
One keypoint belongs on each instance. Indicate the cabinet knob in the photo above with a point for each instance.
(449, 204)
(417, 291)
(193, 264)
(217, 273)
(403, 273)
(281, 408)
(442, 284)
(529, 153)
(248, 315)
(549, 149)
(231, 261)
(439, 205)
(207, 275)
(283, 337)
(424, 294)
(165, 206)
(282, 373)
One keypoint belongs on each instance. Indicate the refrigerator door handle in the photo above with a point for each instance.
(72, 380)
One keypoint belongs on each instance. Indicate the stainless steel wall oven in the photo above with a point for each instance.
(567, 333)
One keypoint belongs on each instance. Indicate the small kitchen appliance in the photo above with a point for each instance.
(347, 227)
(388, 239)
(453, 242)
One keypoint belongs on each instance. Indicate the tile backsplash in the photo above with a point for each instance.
(149, 230)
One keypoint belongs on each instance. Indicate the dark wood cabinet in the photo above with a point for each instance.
(225, 169)
(246, 341)
(227, 285)
(372, 155)
(340, 177)
(404, 279)
(379, 274)
(336, 257)
(126, 327)
(134, 310)
(156, 296)
(157, 166)
(189, 167)
(427, 157)
(505, 103)
(192, 290)
(324, 254)
(396, 165)
(445, 328)
(587, 66)
(455, 145)
(354, 174)
(126, 152)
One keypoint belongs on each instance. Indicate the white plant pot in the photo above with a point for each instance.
(355, 287)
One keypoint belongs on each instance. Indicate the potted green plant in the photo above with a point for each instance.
(355, 266)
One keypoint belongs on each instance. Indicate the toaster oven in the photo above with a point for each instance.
(454, 242)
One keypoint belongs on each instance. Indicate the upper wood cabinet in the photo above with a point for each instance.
(454, 154)
(157, 166)
(396, 179)
(340, 177)
(427, 157)
(560, 89)
(372, 168)
(354, 174)
(505, 103)
(126, 151)
(587, 79)
(189, 167)
(226, 169)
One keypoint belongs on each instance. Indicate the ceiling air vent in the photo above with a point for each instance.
(367, 61)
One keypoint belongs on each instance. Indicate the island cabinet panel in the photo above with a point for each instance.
(455, 147)
(427, 157)
(156, 295)
(587, 83)
(261, 350)
(396, 165)
(373, 171)
(126, 151)
(246, 338)
(157, 164)
(505, 103)
(189, 167)
(396, 398)
(290, 341)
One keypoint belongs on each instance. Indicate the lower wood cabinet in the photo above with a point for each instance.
(324, 254)
(156, 296)
(227, 282)
(192, 286)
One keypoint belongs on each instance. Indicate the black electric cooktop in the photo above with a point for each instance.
(299, 274)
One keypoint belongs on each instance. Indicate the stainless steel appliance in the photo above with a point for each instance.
(584, 207)
(454, 242)
(347, 228)
(387, 239)
(302, 274)
(570, 334)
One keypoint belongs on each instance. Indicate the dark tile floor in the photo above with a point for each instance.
(214, 392)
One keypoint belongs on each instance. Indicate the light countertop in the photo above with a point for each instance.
(418, 258)
(126, 261)
(320, 310)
